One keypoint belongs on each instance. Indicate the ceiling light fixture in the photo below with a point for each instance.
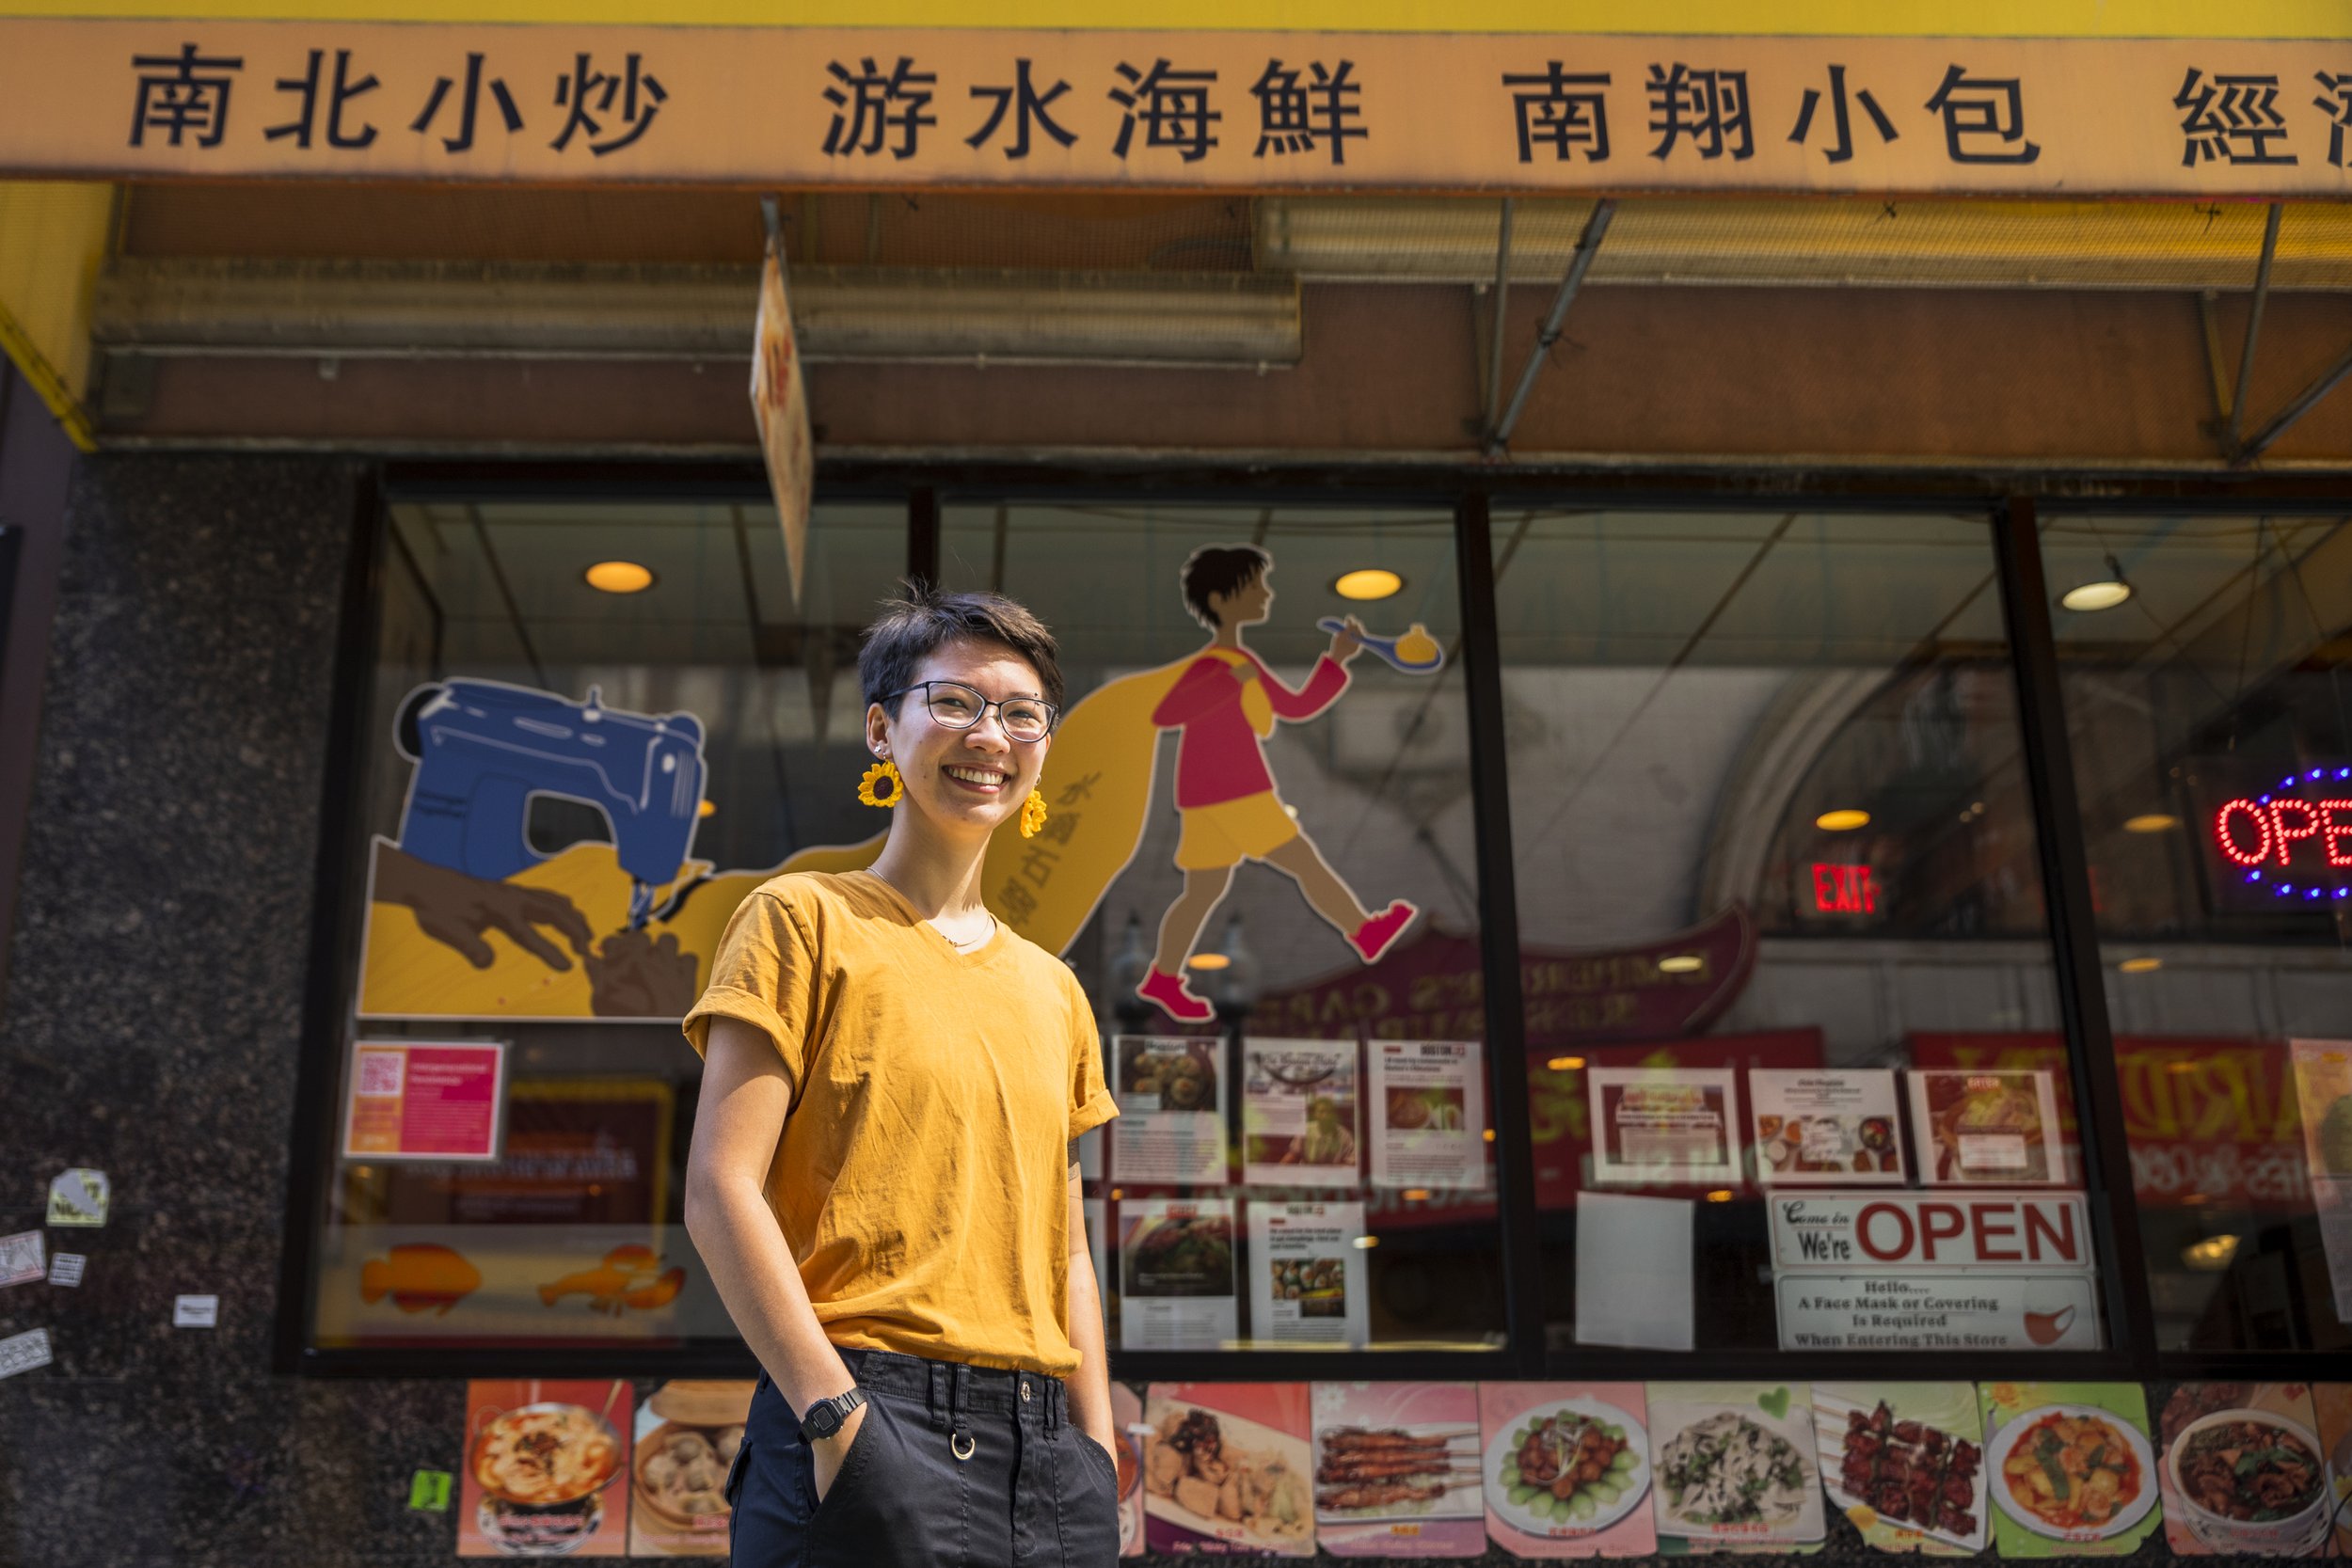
(1208, 961)
(1681, 964)
(1368, 582)
(709, 808)
(1843, 820)
(2102, 593)
(619, 576)
(2140, 966)
(1565, 1064)
(2211, 1254)
(1365, 1243)
(2151, 822)
(1721, 1194)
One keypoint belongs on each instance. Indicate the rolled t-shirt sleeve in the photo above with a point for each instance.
(1090, 1103)
(765, 973)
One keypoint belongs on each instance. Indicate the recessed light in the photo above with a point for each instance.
(1680, 963)
(1565, 1064)
(2093, 596)
(2151, 822)
(1843, 820)
(1208, 961)
(1365, 1243)
(1367, 582)
(1721, 1194)
(2140, 966)
(2210, 1254)
(1416, 1194)
(709, 808)
(619, 576)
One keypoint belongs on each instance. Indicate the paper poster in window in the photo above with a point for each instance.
(1298, 1114)
(1825, 1126)
(1428, 1101)
(1997, 1128)
(1306, 1275)
(1664, 1126)
(1176, 1267)
(1171, 1109)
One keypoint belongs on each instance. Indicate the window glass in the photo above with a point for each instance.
(593, 729)
(1260, 866)
(1778, 887)
(2211, 724)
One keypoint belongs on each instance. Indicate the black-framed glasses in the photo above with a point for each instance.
(957, 707)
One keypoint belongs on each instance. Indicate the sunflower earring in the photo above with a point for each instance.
(1032, 815)
(882, 772)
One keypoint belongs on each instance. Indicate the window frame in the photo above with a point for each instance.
(2008, 506)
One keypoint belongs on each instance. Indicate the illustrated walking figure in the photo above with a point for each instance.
(1223, 706)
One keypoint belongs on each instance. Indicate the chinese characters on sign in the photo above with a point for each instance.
(970, 108)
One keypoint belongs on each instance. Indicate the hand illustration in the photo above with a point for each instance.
(456, 910)
(1348, 643)
(634, 975)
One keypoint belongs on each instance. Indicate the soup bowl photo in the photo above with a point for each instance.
(2302, 1518)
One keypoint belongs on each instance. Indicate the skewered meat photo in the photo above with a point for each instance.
(1911, 1473)
(1392, 1468)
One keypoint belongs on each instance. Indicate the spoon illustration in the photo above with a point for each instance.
(1415, 653)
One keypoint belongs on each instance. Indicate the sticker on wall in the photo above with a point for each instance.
(1228, 1470)
(24, 1257)
(2070, 1469)
(65, 1268)
(196, 1312)
(688, 1433)
(2242, 1471)
(1397, 1469)
(429, 1491)
(1736, 1467)
(542, 1461)
(79, 1196)
(1566, 1468)
(22, 1353)
(1905, 1463)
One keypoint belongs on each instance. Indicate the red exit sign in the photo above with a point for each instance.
(1844, 889)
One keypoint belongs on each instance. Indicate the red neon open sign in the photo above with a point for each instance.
(2297, 839)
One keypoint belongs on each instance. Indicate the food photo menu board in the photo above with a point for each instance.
(1228, 1470)
(2070, 1467)
(2242, 1471)
(1665, 1126)
(1825, 1125)
(2332, 1402)
(1428, 1102)
(543, 1467)
(1397, 1469)
(1171, 1110)
(1176, 1273)
(1300, 1121)
(1735, 1468)
(1566, 1467)
(688, 1435)
(1904, 1462)
(1306, 1272)
(1995, 1128)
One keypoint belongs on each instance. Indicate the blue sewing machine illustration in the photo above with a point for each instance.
(484, 749)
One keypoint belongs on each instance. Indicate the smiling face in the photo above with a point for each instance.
(962, 783)
(1248, 605)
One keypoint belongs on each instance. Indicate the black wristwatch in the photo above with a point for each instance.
(825, 1417)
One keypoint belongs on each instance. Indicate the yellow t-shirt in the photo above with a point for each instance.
(922, 1180)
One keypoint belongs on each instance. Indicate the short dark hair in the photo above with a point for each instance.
(922, 620)
(1220, 569)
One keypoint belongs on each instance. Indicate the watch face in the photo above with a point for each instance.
(824, 1420)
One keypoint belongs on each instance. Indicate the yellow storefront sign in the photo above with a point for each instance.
(1241, 110)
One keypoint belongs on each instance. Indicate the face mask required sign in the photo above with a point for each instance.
(1922, 1271)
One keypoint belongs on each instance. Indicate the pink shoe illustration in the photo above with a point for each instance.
(1168, 994)
(1378, 934)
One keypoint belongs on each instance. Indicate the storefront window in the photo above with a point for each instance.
(2211, 726)
(1283, 859)
(1777, 884)
(593, 728)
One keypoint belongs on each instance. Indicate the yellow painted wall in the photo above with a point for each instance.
(2279, 19)
(53, 237)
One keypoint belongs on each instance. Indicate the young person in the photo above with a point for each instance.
(883, 1178)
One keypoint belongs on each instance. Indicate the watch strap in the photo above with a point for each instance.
(839, 1404)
